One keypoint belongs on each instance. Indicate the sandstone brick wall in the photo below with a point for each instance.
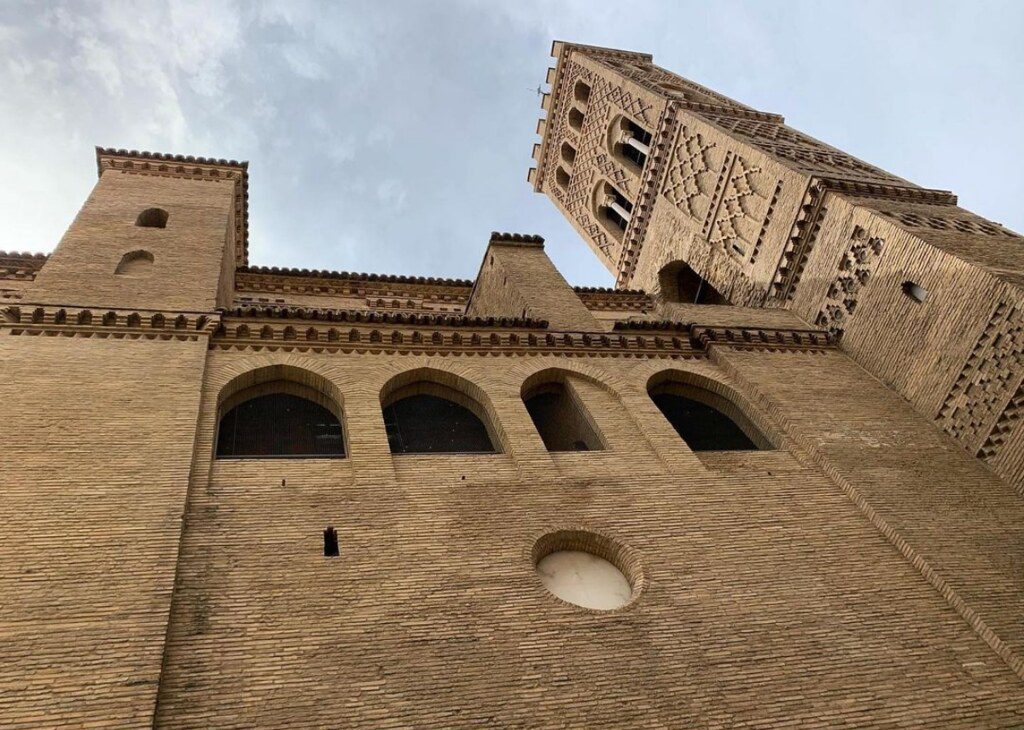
(97, 448)
(770, 598)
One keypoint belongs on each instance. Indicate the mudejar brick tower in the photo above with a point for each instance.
(773, 478)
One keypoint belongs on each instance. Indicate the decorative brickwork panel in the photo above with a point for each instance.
(962, 223)
(1004, 425)
(803, 152)
(744, 210)
(593, 160)
(691, 173)
(855, 270)
(980, 401)
(669, 83)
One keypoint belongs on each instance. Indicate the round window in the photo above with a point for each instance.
(584, 579)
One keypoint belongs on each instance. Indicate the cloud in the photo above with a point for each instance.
(394, 137)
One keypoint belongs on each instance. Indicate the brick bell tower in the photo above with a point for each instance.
(705, 202)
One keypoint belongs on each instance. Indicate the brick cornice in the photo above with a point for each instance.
(769, 339)
(71, 321)
(425, 335)
(374, 317)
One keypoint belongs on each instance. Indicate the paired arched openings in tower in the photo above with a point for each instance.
(703, 418)
(629, 143)
(680, 284)
(558, 414)
(433, 412)
(280, 412)
(611, 208)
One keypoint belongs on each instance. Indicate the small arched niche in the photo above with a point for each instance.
(581, 92)
(680, 284)
(135, 263)
(575, 119)
(704, 419)
(562, 177)
(568, 153)
(432, 412)
(280, 412)
(558, 414)
(152, 218)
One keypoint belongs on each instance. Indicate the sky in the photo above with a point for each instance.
(393, 136)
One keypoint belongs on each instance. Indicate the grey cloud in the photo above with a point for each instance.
(393, 137)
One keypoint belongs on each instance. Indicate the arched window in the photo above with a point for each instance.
(575, 119)
(423, 416)
(682, 285)
(134, 263)
(560, 418)
(152, 218)
(611, 208)
(581, 92)
(280, 411)
(279, 425)
(705, 420)
(629, 143)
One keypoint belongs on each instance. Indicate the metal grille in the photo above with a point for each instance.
(280, 426)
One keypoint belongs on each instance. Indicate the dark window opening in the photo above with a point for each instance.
(280, 425)
(632, 130)
(915, 291)
(702, 427)
(429, 424)
(152, 218)
(614, 207)
(681, 284)
(560, 421)
(330, 542)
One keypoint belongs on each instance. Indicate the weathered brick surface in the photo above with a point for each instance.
(97, 448)
(863, 573)
(770, 600)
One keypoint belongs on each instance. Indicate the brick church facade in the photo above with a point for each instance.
(239, 496)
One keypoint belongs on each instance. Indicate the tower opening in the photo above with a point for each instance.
(581, 92)
(152, 218)
(629, 143)
(681, 284)
(612, 208)
(331, 542)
